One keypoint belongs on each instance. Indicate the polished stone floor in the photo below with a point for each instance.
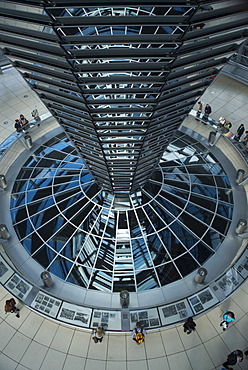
(34, 342)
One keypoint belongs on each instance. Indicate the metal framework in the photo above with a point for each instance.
(121, 78)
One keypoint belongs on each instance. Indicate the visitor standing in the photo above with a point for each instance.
(240, 131)
(189, 325)
(10, 306)
(245, 140)
(207, 111)
(23, 120)
(138, 333)
(97, 334)
(18, 125)
(199, 110)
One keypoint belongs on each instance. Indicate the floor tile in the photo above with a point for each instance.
(116, 365)
(137, 365)
(79, 345)
(46, 332)
(21, 367)
(233, 338)
(158, 363)
(53, 360)
(172, 341)
(135, 351)
(73, 362)
(7, 332)
(17, 346)
(241, 326)
(241, 299)
(62, 339)
(6, 363)
(94, 364)
(205, 329)
(34, 356)
(214, 317)
(154, 345)
(31, 324)
(199, 355)
(244, 287)
(217, 350)
(179, 361)
(189, 340)
(117, 348)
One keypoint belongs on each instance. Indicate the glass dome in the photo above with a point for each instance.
(102, 241)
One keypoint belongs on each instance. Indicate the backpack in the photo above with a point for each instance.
(239, 353)
(232, 359)
(231, 313)
(139, 336)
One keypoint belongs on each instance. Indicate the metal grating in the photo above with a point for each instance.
(120, 79)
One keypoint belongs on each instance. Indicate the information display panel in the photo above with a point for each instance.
(5, 271)
(19, 287)
(46, 304)
(174, 312)
(76, 315)
(148, 318)
(202, 300)
(229, 282)
(106, 319)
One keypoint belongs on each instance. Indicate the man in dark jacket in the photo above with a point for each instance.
(245, 140)
(240, 131)
(18, 125)
(233, 358)
(208, 110)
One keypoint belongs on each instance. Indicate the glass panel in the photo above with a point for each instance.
(157, 249)
(60, 267)
(186, 264)
(79, 275)
(146, 280)
(141, 256)
(167, 273)
(101, 280)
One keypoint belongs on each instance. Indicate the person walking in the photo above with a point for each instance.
(240, 131)
(227, 318)
(232, 359)
(97, 334)
(10, 306)
(189, 325)
(138, 333)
